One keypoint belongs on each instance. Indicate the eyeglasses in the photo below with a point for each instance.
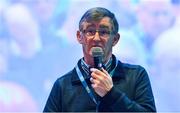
(102, 32)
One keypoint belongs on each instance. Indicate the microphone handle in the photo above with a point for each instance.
(98, 62)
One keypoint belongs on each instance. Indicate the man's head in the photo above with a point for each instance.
(96, 14)
(98, 27)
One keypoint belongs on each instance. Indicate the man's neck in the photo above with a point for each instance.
(92, 64)
(89, 60)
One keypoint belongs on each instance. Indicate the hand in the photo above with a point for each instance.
(101, 81)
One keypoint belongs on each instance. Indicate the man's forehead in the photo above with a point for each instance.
(104, 22)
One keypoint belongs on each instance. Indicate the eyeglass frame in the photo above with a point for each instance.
(100, 32)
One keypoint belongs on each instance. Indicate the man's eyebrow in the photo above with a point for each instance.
(101, 26)
(104, 26)
(90, 26)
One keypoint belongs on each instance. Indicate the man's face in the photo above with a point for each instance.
(97, 34)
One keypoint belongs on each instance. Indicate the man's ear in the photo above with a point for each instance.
(79, 37)
(116, 39)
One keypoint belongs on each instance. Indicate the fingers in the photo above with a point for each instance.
(94, 81)
(95, 70)
(103, 70)
(96, 84)
(97, 87)
(98, 71)
(100, 75)
(101, 81)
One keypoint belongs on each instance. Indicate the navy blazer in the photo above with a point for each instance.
(131, 92)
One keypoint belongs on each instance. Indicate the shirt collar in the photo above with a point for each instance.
(86, 67)
(119, 73)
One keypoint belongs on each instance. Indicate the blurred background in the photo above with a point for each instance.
(38, 45)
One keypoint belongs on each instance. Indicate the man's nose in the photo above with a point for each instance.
(96, 36)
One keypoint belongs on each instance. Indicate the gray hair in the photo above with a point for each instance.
(97, 14)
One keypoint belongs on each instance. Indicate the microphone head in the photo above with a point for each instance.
(97, 51)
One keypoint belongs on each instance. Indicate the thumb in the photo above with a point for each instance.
(103, 70)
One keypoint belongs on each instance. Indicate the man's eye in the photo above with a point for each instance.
(90, 32)
(104, 32)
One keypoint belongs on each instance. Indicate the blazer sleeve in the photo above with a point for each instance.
(116, 100)
(53, 103)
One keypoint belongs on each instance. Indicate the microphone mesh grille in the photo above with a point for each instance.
(97, 51)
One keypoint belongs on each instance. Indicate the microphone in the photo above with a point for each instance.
(97, 54)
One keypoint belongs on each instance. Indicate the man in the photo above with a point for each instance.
(115, 87)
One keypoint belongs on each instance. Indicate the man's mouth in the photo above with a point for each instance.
(97, 46)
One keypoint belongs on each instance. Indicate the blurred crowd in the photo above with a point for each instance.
(38, 45)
